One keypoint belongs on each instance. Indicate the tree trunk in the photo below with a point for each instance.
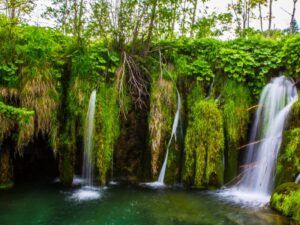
(151, 26)
(80, 22)
(293, 17)
(248, 14)
(137, 29)
(270, 14)
(64, 19)
(260, 17)
(193, 18)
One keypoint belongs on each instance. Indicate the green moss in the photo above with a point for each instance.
(204, 144)
(286, 199)
(236, 117)
(107, 129)
(294, 117)
(288, 163)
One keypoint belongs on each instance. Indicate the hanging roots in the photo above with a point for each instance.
(138, 87)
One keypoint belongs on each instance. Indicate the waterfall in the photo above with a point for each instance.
(173, 134)
(297, 181)
(258, 175)
(275, 103)
(87, 171)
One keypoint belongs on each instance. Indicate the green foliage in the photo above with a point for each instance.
(204, 144)
(286, 199)
(251, 61)
(16, 114)
(213, 25)
(290, 55)
(237, 64)
(201, 70)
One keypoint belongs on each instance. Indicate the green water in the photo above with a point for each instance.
(124, 205)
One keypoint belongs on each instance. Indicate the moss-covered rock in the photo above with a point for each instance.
(162, 109)
(288, 163)
(204, 144)
(286, 199)
(236, 100)
(107, 129)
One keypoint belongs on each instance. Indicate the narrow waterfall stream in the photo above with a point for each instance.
(88, 191)
(87, 166)
(160, 181)
(257, 177)
(173, 134)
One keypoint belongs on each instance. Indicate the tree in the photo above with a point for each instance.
(270, 15)
(16, 9)
(69, 16)
(295, 28)
(244, 11)
(293, 21)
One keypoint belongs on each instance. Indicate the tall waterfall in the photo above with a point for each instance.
(87, 171)
(275, 103)
(173, 134)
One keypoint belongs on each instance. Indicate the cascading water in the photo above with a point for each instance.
(160, 181)
(87, 168)
(257, 178)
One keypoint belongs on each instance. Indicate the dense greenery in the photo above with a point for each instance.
(136, 58)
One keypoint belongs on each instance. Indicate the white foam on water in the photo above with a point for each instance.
(56, 180)
(86, 193)
(113, 183)
(244, 198)
(154, 185)
(77, 180)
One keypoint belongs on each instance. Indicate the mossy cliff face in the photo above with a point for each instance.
(161, 116)
(286, 199)
(236, 117)
(131, 147)
(288, 163)
(204, 145)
